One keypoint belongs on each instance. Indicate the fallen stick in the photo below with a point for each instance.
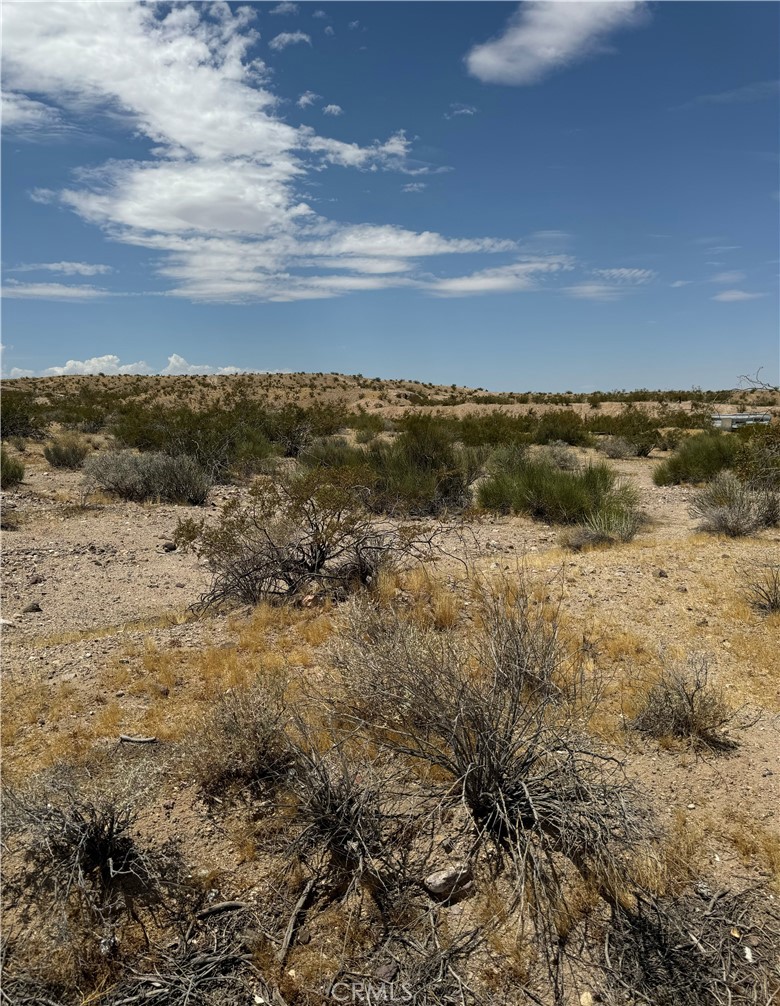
(281, 953)
(127, 739)
(223, 906)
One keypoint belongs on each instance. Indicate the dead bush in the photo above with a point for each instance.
(703, 949)
(684, 704)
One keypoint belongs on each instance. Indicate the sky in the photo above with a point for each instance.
(534, 196)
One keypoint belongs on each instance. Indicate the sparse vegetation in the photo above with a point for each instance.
(11, 470)
(763, 586)
(728, 506)
(152, 476)
(684, 704)
(67, 451)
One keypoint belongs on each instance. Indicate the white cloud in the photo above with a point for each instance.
(521, 275)
(727, 278)
(353, 25)
(543, 36)
(756, 91)
(286, 38)
(51, 291)
(23, 114)
(680, 282)
(307, 98)
(66, 268)
(284, 8)
(732, 296)
(111, 365)
(595, 291)
(333, 110)
(636, 276)
(330, 30)
(457, 109)
(414, 187)
(319, 13)
(219, 203)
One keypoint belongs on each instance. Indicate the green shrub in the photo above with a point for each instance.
(560, 456)
(757, 460)
(67, 451)
(11, 470)
(605, 527)
(19, 415)
(698, 459)
(560, 497)
(562, 424)
(617, 448)
(151, 476)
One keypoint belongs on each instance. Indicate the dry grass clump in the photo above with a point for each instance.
(763, 588)
(150, 476)
(66, 451)
(683, 704)
(608, 527)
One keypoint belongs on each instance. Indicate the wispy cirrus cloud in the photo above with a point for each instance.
(288, 38)
(544, 36)
(623, 275)
(727, 278)
(756, 91)
(51, 291)
(456, 109)
(66, 268)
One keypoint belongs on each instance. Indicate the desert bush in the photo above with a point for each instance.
(151, 476)
(296, 537)
(757, 460)
(11, 470)
(684, 704)
(561, 497)
(82, 857)
(559, 455)
(332, 452)
(617, 448)
(763, 588)
(728, 506)
(561, 424)
(697, 459)
(67, 451)
(605, 527)
(241, 747)
(546, 801)
(19, 415)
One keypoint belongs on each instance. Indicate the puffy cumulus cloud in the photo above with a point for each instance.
(307, 98)
(110, 364)
(733, 296)
(287, 38)
(51, 291)
(543, 36)
(333, 110)
(284, 8)
(66, 268)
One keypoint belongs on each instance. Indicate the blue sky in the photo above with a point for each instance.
(537, 196)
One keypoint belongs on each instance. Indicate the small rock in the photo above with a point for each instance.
(35, 580)
(119, 694)
(386, 972)
(444, 883)
(29, 609)
(682, 590)
(663, 574)
(5, 622)
(691, 806)
(169, 546)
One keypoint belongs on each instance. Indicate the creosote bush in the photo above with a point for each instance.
(698, 459)
(67, 451)
(763, 586)
(11, 470)
(151, 476)
(297, 537)
(685, 705)
(617, 448)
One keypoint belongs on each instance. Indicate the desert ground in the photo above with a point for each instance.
(105, 646)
